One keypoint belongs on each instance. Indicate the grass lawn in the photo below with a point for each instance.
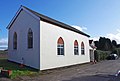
(3, 52)
(16, 69)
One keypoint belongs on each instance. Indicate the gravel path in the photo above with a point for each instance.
(102, 71)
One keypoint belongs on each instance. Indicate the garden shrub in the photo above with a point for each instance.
(101, 55)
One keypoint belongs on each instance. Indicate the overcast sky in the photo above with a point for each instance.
(94, 17)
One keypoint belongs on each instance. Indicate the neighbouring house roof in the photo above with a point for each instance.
(92, 44)
(90, 41)
(50, 20)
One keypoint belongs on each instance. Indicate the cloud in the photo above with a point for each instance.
(114, 36)
(3, 42)
(118, 30)
(79, 27)
(94, 38)
(111, 36)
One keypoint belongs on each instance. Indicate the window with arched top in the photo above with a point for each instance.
(60, 46)
(30, 38)
(82, 49)
(15, 41)
(76, 52)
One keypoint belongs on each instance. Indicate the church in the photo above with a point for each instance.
(41, 42)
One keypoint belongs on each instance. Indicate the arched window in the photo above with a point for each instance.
(76, 48)
(30, 38)
(60, 46)
(15, 41)
(82, 49)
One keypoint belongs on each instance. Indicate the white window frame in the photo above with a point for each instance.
(61, 48)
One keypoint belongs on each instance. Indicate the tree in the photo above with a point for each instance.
(96, 44)
(101, 43)
(114, 43)
(104, 44)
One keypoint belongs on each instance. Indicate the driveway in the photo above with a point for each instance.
(102, 71)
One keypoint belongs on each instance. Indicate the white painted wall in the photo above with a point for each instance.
(49, 35)
(21, 25)
(44, 53)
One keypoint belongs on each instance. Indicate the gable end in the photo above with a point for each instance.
(17, 14)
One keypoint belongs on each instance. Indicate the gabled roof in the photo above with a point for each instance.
(49, 20)
(90, 41)
(92, 45)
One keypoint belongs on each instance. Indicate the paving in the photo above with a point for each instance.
(102, 71)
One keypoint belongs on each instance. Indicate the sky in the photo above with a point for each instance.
(94, 17)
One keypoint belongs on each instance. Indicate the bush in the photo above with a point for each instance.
(116, 51)
(101, 55)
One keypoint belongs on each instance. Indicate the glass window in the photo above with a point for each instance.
(60, 46)
(30, 38)
(82, 49)
(76, 52)
(15, 41)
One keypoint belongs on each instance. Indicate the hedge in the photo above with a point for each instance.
(101, 55)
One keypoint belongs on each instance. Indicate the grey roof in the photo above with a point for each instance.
(55, 22)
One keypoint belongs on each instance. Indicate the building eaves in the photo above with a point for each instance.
(55, 22)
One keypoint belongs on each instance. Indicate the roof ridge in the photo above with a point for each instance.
(55, 22)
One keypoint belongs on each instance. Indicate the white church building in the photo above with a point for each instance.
(43, 43)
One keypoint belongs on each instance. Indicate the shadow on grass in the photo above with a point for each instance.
(16, 69)
(13, 66)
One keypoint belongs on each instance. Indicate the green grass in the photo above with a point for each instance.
(16, 69)
(3, 52)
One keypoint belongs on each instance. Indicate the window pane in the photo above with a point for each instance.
(58, 51)
(62, 51)
(76, 50)
(60, 46)
(30, 38)
(82, 51)
(82, 48)
(15, 41)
